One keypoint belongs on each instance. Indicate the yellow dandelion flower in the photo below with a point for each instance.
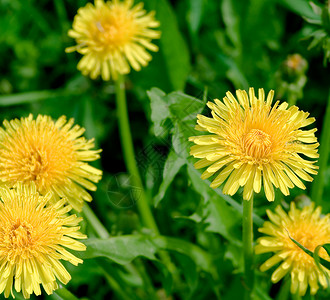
(34, 236)
(112, 36)
(252, 143)
(51, 154)
(308, 228)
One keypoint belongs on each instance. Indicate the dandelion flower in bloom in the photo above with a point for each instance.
(308, 228)
(51, 154)
(34, 236)
(113, 36)
(251, 142)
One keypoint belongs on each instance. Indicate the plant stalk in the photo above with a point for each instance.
(318, 184)
(96, 224)
(248, 247)
(129, 156)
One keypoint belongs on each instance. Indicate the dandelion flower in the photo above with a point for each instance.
(34, 236)
(252, 143)
(51, 154)
(308, 228)
(113, 36)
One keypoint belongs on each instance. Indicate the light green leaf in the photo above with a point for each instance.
(159, 109)
(195, 14)
(28, 97)
(64, 294)
(184, 110)
(121, 249)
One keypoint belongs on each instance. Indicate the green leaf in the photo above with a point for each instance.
(302, 8)
(172, 166)
(232, 22)
(121, 249)
(319, 182)
(28, 97)
(64, 294)
(318, 260)
(172, 45)
(159, 109)
(201, 258)
(189, 270)
(195, 14)
(223, 219)
(203, 187)
(184, 110)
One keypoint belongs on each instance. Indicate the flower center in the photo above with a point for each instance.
(35, 165)
(257, 143)
(21, 234)
(113, 32)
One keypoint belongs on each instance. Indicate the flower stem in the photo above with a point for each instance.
(129, 157)
(128, 149)
(318, 184)
(248, 247)
(93, 220)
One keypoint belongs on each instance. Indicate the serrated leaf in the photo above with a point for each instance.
(184, 110)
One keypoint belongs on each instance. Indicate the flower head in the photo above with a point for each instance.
(51, 154)
(34, 235)
(252, 142)
(112, 36)
(308, 228)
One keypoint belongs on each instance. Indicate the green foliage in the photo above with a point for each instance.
(206, 48)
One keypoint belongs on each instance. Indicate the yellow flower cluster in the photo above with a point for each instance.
(112, 36)
(251, 143)
(43, 175)
(308, 228)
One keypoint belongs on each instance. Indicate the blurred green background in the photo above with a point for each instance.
(207, 48)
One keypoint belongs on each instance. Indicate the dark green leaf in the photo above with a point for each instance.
(318, 260)
(201, 258)
(302, 8)
(172, 44)
(172, 166)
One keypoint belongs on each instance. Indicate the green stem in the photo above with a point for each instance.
(118, 290)
(285, 290)
(248, 247)
(296, 296)
(63, 293)
(93, 220)
(318, 184)
(129, 157)
(128, 149)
